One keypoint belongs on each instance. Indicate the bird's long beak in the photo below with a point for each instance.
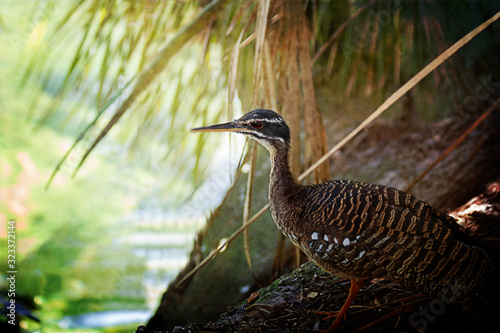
(231, 126)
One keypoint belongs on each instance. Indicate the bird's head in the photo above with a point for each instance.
(265, 126)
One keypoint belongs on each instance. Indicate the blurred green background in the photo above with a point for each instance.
(108, 239)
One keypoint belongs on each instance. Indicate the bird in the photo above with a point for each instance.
(364, 231)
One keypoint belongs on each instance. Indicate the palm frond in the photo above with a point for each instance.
(149, 74)
(117, 41)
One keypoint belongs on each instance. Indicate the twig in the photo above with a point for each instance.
(404, 308)
(248, 208)
(223, 245)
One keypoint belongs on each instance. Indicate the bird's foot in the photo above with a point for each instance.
(328, 314)
(339, 315)
(336, 323)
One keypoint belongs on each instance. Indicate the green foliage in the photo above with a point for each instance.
(67, 236)
(117, 43)
(64, 238)
(390, 41)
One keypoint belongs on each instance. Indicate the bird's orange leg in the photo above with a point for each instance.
(353, 291)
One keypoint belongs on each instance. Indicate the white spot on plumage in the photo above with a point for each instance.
(361, 254)
(325, 237)
(314, 236)
(329, 248)
(346, 242)
(335, 240)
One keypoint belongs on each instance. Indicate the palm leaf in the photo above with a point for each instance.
(147, 76)
(83, 134)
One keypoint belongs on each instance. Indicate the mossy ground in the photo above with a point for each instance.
(292, 302)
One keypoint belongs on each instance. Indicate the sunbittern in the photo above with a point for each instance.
(363, 231)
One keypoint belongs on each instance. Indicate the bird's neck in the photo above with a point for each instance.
(283, 193)
(282, 179)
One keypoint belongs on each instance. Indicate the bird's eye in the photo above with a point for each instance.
(257, 124)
